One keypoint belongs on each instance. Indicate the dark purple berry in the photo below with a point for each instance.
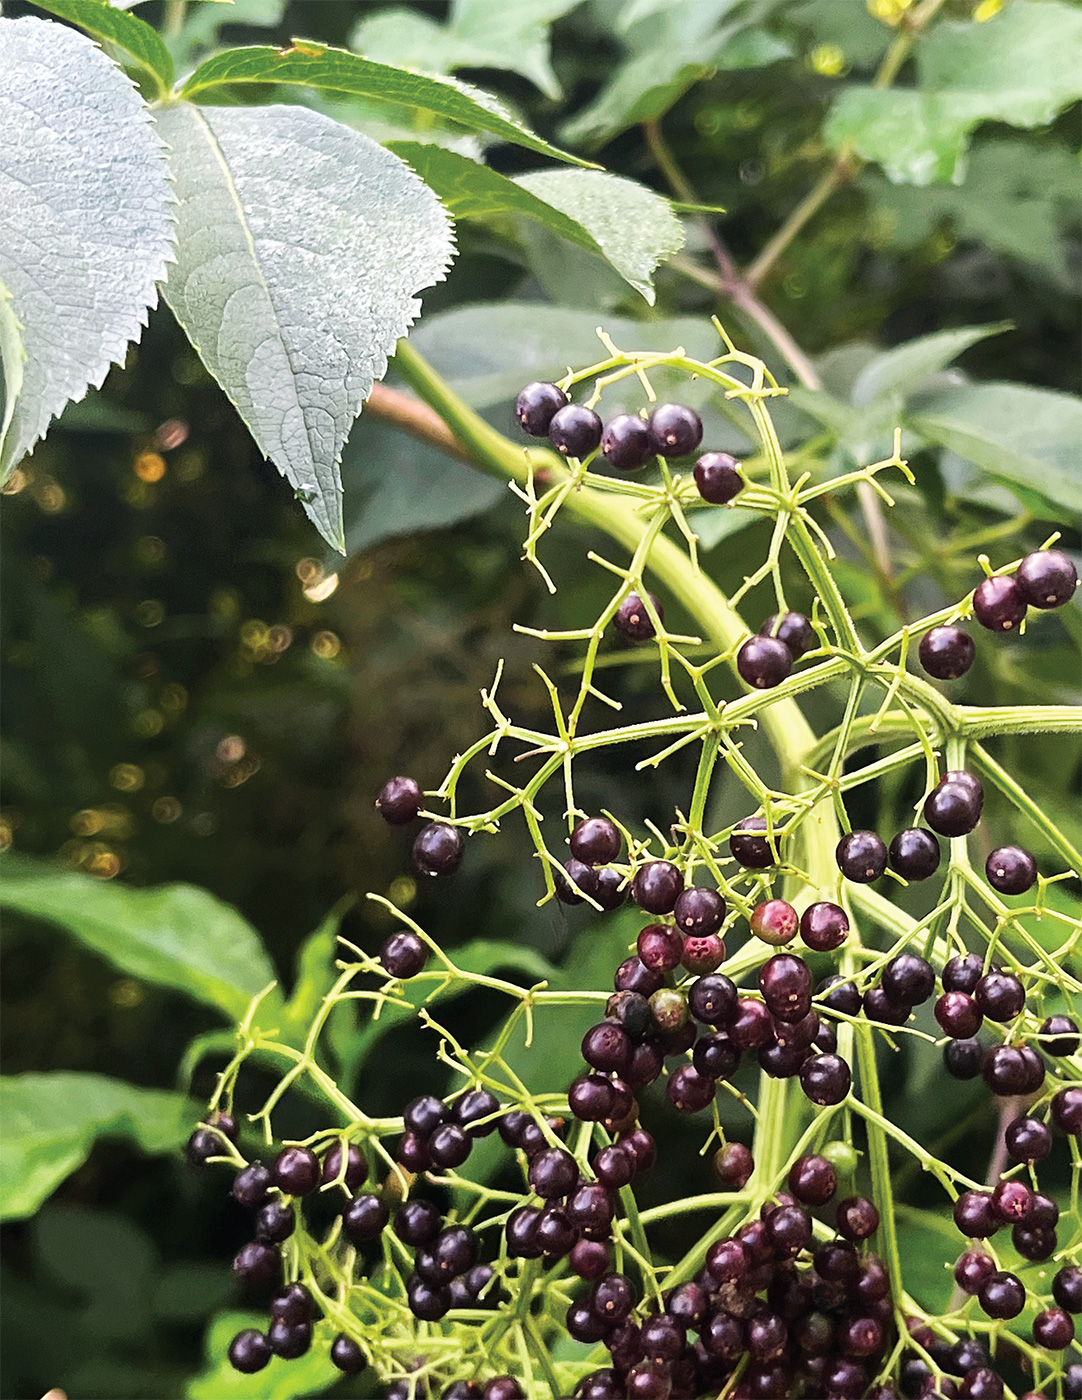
(789, 1230)
(250, 1186)
(958, 1015)
(502, 1388)
(956, 802)
(403, 954)
(399, 801)
(614, 1166)
(837, 1261)
(521, 1233)
(607, 888)
(908, 979)
(715, 1056)
(861, 856)
(632, 620)
(591, 1209)
(417, 1223)
(591, 1098)
(914, 854)
(356, 1172)
(699, 911)
(203, 1144)
(1053, 1329)
(536, 405)
(1034, 1241)
(646, 1064)
(786, 984)
(292, 1305)
(575, 431)
(438, 849)
(1000, 995)
(1046, 579)
(660, 947)
(274, 1223)
(1002, 1295)
(733, 1165)
(998, 604)
(883, 1009)
(258, 1268)
(634, 976)
(427, 1302)
(675, 431)
(363, 1219)
(712, 1000)
(1058, 1036)
(581, 875)
(840, 996)
(775, 922)
(643, 1147)
(824, 926)
(975, 1215)
(764, 662)
(748, 848)
(347, 1355)
(793, 629)
(590, 1259)
(249, 1351)
(289, 1341)
(656, 887)
(296, 1171)
(1067, 1111)
(981, 1383)
(607, 1047)
(474, 1106)
(424, 1114)
(947, 652)
(751, 1028)
(717, 475)
(1005, 1070)
(972, 1268)
(825, 1079)
(1011, 870)
(612, 1298)
(449, 1146)
(963, 974)
(595, 841)
(688, 1090)
(812, 1180)
(1067, 1288)
(553, 1173)
(857, 1218)
(626, 443)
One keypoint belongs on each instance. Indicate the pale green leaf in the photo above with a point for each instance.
(82, 175)
(203, 24)
(721, 523)
(293, 278)
(52, 1120)
(127, 33)
(1028, 438)
(613, 218)
(634, 228)
(338, 71)
(906, 367)
(1022, 67)
(310, 1374)
(177, 936)
(395, 485)
(478, 34)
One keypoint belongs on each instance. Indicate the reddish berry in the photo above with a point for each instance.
(812, 1180)
(1053, 1329)
(632, 620)
(775, 922)
(595, 841)
(972, 1268)
(733, 1165)
(688, 1090)
(656, 887)
(699, 911)
(857, 1218)
(786, 984)
(958, 1015)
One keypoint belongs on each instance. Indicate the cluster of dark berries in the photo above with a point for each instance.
(272, 1196)
(768, 1304)
(438, 847)
(1044, 579)
(765, 660)
(595, 844)
(438, 1136)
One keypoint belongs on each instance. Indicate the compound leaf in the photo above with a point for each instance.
(294, 279)
(52, 1120)
(83, 175)
(131, 35)
(177, 936)
(338, 71)
(1025, 437)
(1021, 67)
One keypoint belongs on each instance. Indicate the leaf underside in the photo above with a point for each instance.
(294, 278)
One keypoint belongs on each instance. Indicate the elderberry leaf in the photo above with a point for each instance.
(629, 226)
(82, 175)
(52, 1120)
(1025, 437)
(293, 280)
(132, 36)
(478, 34)
(177, 936)
(906, 367)
(329, 70)
(1022, 66)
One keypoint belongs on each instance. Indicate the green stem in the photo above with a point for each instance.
(878, 1159)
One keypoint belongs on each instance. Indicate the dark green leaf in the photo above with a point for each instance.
(293, 280)
(84, 176)
(1026, 437)
(336, 70)
(128, 33)
(51, 1122)
(616, 219)
(478, 34)
(721, 523)
(905, 368)
(177, 936)
(1022, 66)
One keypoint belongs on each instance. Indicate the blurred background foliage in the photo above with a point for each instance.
(194, 690)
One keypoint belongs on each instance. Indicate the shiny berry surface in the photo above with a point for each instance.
(717, 475)
(1058, 1036)
(656, 887)
(399, 801)
(660, 947)
(914, 853)
(364, 1219)
(676, 431)
(536, 405)
(595, 841)
(861, 856)
(699, 911)
(1011, 870)
(958, 1015)
(356, 1167)
(689, 1091)
(908, 979)
(1053, 1329)
(632, 620)
(748, 847)
(249, 1351)
(793, 629)
(1000, 996)
(775, 921)
(954, 806)
(764, 662)
(1046, 579)
(947, 652)
(812, 1180)
(824, 926)
(786, 984)
(472, 1107)
(347, 1355)
(438, 850)
(857, 1218)
(825, 1079)
(998, 604)
(1067, 1288)
(1067, 1111)
(250, 1186)
(574, 431)
(296, 1171)
(626, 442)
(1002, 1295)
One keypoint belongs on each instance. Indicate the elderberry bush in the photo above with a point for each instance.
(489, 1242)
